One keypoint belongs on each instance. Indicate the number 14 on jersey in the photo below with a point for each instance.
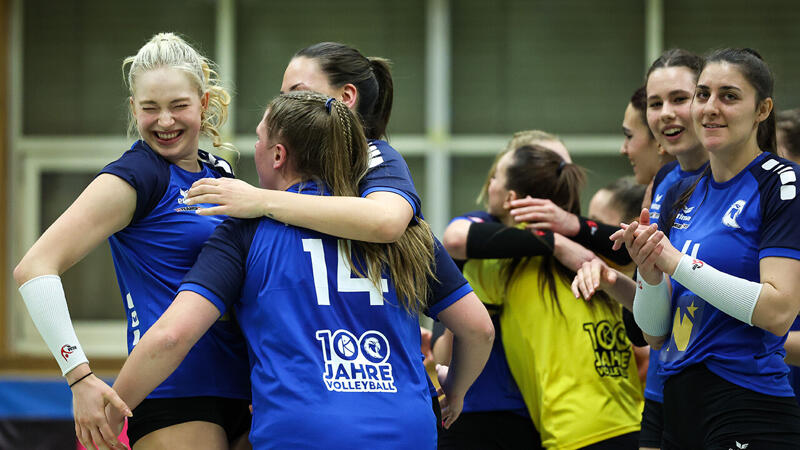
(344, 276)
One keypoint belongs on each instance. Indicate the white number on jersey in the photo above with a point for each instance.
(695, 248)
(344, 277)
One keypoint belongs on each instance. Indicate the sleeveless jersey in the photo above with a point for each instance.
(574, 366)
(495, 388)
(153, 254)
(731, 226)
(667, 176)
(334, 361)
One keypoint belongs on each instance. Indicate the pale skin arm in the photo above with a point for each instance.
(596, 275)
(379, 217)
(473, 335)
(777, 304)
(443, 348)
(163, 347)
(792, 347)
(103, 208)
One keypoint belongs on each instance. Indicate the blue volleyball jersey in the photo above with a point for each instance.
(151, 257)
(495, 388)
(388, 172)
(731, 226)
(335, 363)
(667, 176)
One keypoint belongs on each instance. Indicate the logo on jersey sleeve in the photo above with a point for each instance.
(788, 190)
(356, 364)
(729, 219)
(612, 350)
(375, 157)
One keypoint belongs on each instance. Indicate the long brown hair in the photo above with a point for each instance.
(541, 173)
(326, 143)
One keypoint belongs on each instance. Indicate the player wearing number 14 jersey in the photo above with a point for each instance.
(334, 351)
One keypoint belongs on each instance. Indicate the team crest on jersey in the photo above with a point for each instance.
(356, 364)
(729, 219)
(182, 200)
(612, 350)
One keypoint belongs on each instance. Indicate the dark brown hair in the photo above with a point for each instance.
(371, 76)
(639, 103)
(541, 173)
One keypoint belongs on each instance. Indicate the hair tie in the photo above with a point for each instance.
(561, 167)
(328, 105)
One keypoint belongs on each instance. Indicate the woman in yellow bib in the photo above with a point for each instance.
(571, 359)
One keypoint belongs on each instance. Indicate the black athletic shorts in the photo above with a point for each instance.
(490, 430)
(652, 424)
(628, 441)
(703, 410)
(233, 415)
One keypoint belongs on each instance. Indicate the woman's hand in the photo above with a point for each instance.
(233, 197)
(593, 276)
(90, 399)
(451, 403)
(542, 214)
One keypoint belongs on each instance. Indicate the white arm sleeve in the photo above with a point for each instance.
(652, 307)
(732, 295)
(47, 306)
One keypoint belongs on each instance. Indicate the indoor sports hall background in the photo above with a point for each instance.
(467, 74)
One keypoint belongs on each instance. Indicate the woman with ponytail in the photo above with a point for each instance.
(335, 357)
(571, 359)
(718, 273)
(136, 202)
(386, 208)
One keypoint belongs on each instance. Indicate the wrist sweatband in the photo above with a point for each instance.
(47, 305)
(495, 240)
(732, 295)
(652, 307)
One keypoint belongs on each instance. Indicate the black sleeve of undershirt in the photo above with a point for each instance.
(494, 240)
(595, 237)
(633, 331)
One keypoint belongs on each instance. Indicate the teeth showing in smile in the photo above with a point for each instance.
(167, 136)
(712, 125)
(673, 131)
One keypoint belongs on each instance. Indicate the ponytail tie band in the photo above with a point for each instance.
(328, 105)
(561, 166)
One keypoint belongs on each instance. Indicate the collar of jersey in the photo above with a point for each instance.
(310, 187)
(739, 175)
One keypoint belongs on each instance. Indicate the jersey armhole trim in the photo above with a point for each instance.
(207, 294)
(446, 302)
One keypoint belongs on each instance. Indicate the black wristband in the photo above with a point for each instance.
(495, 240)
(80, 379)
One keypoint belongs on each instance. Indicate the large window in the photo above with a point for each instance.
(467, 73)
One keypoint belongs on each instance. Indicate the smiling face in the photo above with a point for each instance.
(725, 110)
(640, 148)
(168, 109)
(669, 98)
